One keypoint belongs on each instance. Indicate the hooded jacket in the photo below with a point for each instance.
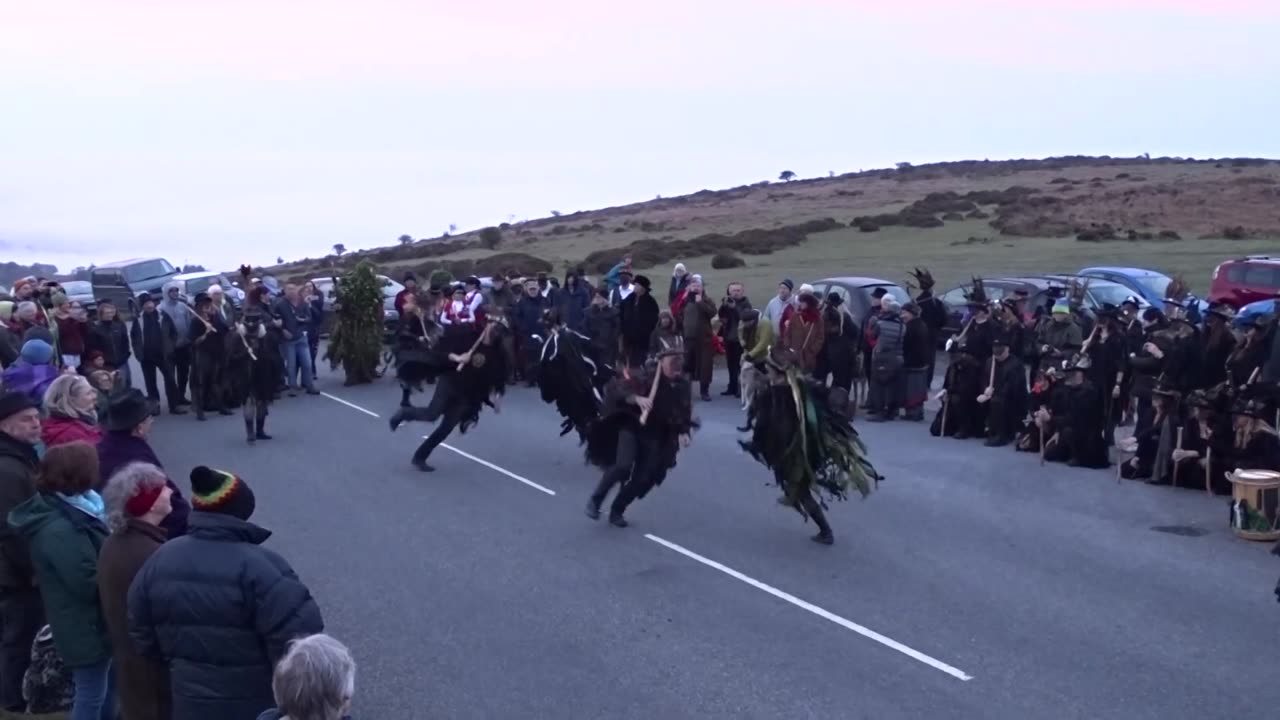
(179, 313)
(59, 429)
(65, 542)
(220, 609)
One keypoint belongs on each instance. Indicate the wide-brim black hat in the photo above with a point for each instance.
(643, 281)
(1224, 311)
(1132, 300)
(1250, 408)
(127, 411)
(1107, 311)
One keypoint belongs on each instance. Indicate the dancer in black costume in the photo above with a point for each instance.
(572, 376)
(810, 446)
(415, 335)
(470, 373)
(253, 370)
(647, 418)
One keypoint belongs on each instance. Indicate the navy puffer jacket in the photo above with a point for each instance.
(220, 610)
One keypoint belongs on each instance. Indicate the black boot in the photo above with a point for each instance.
(593, 509)
(616, 520)
(200, 414)
(262, 424)
(396, 418)
(422, 465)
(248, 431)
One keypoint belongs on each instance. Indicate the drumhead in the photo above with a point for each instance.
(1256, 476)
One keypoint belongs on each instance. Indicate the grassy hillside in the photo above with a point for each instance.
(959, 219)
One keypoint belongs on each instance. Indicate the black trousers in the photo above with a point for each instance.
(637, 354)
(21, 617)
(181, 370)
(733, 356)
(445, 407)
(638, 466)
(171, 393)
(811, 507)
(206, 384)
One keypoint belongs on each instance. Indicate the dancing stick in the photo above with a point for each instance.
(653, 393)
(483, 334)
(1208, 469)
(991, 384)
(1177, 465)
(1045, 445)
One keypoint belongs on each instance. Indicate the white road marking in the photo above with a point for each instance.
(451, 448)
(824, 614)
(353, 406)
(497, 469)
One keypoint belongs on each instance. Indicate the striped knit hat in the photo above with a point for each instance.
(217, 491)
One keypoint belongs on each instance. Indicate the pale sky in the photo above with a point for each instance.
(223, 132)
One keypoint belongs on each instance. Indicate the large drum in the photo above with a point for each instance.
(1255, 504)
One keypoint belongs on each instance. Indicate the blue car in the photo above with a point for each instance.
(1254, 309)
(1148, 284)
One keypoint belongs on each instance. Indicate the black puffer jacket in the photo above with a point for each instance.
(220, 610)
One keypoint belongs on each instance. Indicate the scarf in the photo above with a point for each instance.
(89, 502)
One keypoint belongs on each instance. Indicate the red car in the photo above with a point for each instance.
(1245, 280)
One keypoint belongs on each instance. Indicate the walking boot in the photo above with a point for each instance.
(177, 410)
(396, 418)
(248, 431)
(225, 411)
(200, 414)
(616, 520)
(261, 434)
(421, 465)
(593, 509)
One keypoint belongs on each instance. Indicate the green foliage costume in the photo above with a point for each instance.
(356, 341)
(811, 447)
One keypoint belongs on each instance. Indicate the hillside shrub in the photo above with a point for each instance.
(1169, 235)
(953, 216)
(724, 261)
(490, 237)
(867, 226)
(1235, 233)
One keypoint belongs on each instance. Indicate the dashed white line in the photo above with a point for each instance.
(446, 446)
(820, 612)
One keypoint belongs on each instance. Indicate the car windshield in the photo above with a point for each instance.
(199, 285)
(1108, 292)
(147, 269)
(77, 287)
(390, 288)
(1154, 285)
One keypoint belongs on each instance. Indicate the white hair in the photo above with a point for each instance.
(215, 289)
(315, 680)
(57, 399)
(123, 485)
(890, 305)
(26, 310)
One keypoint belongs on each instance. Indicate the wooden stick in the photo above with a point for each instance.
(1208, 470)
(474, 347)
(653, 393)
(1045, 445)
(1177, 464)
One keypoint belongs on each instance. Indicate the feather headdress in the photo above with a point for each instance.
(1076, 290)
(924, 277)
(977, 295)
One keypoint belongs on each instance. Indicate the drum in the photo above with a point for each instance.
(1255, 504)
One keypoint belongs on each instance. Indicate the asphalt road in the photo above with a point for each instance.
(974, 584)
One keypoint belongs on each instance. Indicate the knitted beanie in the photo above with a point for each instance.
(217, 491)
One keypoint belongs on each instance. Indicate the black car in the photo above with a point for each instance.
(856, 292)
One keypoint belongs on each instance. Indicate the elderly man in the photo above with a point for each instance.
(222, 305)
(21, 612)
(316, 679)
(180, 314)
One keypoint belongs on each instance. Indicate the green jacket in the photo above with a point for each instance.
(64, 544)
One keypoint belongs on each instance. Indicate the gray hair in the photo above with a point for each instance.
(26, 310)
(124, 484)
(890, 305)
(57, 399)
(315, 680)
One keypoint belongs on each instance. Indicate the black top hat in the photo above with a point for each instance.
(1107, 311)
(127, 411)
(1224, 311)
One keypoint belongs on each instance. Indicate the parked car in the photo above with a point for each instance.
(1041, 290)
(390, 288)
(198, 282)
(1245, 280)
(81, 291)
(122, 282)
(1149, 285)
(856, 292)
(1247, 313)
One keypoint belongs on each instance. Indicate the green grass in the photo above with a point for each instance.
(892, 252)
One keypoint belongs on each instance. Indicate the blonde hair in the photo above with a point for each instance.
(57, 399)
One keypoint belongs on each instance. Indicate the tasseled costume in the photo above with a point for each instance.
(808, 445)
(572, 377)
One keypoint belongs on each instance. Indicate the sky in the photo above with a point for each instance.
(245, 130)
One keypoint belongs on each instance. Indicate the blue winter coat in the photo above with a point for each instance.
(220, 610)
